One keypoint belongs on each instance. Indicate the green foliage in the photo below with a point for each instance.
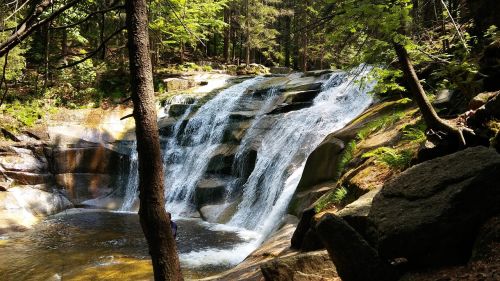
(387, 80)
(492, 33)
(415, 133)
(16, 61)
(335, 197)
(345, 157)
(381, 123)
(183, 22)
(396, 159)
(28, 114)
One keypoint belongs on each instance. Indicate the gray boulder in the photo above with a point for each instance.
(430, 214)
(353, 257)
(321, 165)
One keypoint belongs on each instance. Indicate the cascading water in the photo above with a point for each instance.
(284, 149)
(281, 150)
(132, 181)
(187, 157)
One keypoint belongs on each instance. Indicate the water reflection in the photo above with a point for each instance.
(99, 245)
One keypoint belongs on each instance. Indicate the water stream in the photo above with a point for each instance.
(269, 158)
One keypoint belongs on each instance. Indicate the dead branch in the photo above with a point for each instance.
(93, 53)
(32, 23)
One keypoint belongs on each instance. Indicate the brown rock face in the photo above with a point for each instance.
(81, 186)
(313, 266)
(98, 159)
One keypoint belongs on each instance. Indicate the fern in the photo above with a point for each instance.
(398, 160)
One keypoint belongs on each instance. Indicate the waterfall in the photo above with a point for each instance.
(187, 156)
(281, 149)
(132, 181)
(284, 150)
(268, 161)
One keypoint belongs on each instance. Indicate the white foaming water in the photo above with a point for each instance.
(280, 160)
(284, 150)
(187, 158)
(131, 186)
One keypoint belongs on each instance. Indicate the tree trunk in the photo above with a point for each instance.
(227, 33)
(429, 115)
(46, 57)
(181, 52)
(153, 217)
(64, 45)
(247, 27)
(288, 40)
(101, 35)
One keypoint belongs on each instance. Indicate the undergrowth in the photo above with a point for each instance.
(414, 133)
(395, 159)
(384, 121)
(27, 114)
(336, 197)
(345, 157)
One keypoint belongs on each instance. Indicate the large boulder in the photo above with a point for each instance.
(211, 190)
(178, 84)
(222, 160)
(321, 165)
(312, 266)
(356, 213)
(19, 159)
(431, 213)
(22, 206)
(303, 84)
(354, 258)
(25, 165)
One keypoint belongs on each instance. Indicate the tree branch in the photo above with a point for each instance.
(94, 52)
(4, 79)
(88, 17)
(32, 22)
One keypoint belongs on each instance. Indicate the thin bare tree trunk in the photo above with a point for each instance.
(154, 220)
(247, 27)
(227, 33)
(429, 115)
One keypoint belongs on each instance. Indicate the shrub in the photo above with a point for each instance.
(336, 197)
(415, 133)
(345, 157)
(398, 160)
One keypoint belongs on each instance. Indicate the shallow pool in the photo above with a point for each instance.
(100, 245)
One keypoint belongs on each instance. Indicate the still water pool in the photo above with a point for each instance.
(100, 245)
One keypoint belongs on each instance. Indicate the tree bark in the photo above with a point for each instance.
(247, 28)
(227, 33)
(32, 23)
(429, 115)
(153, 217)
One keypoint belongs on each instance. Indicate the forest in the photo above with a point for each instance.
(350, 140)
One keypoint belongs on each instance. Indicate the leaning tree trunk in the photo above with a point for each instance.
(154, 221)
(429, 115)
